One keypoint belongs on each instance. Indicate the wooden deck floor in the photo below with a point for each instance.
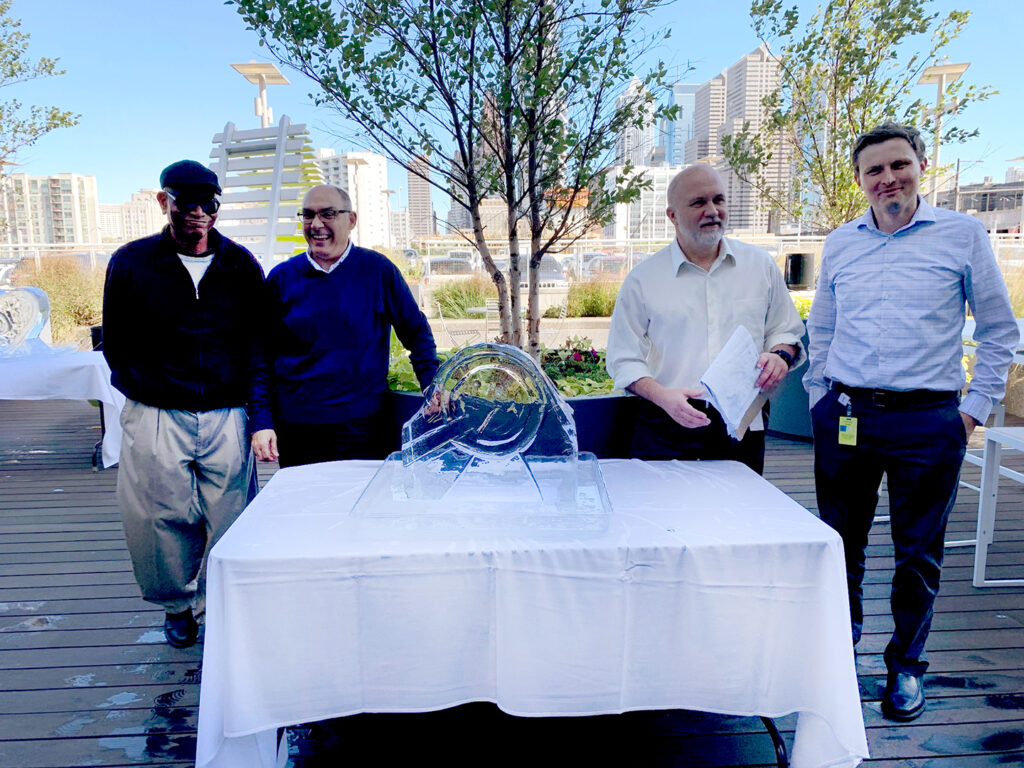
(86, 679)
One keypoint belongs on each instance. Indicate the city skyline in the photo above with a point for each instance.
(155, 87)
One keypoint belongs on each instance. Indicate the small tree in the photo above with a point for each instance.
(18, 129)
(841, 75)
(516, 99)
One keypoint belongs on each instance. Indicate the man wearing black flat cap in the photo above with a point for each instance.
(179, 333)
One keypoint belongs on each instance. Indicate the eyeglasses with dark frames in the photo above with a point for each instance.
(325, 214)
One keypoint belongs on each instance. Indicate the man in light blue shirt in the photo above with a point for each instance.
(884, 380)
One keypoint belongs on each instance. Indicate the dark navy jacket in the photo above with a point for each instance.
(171, 346)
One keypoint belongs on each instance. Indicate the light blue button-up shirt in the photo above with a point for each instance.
(889, 309)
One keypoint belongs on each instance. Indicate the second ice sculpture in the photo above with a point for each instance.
(494, 445)
(24, 313)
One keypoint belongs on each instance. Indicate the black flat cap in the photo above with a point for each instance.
(188, 173)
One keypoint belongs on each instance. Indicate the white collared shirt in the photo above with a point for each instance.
(313, 262)
(672, 318)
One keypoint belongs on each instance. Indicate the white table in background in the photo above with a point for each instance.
(996, 438)
(66, 376)
(711, 590)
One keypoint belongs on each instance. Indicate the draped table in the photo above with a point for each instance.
(66, 376)
(710, 590)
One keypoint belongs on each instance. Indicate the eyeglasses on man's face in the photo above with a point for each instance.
(325, 214)
(185, 202)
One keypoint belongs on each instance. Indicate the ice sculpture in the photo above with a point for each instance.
(494, 445)
(24, 313)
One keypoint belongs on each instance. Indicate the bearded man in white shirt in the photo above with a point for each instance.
(675, 312)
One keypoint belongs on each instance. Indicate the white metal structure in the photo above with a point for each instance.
(264, 174)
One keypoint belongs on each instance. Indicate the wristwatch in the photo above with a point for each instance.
(785, 356)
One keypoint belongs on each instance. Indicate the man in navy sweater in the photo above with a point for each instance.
(331, 311)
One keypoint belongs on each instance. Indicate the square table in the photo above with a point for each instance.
(710, 590)
(66, 376)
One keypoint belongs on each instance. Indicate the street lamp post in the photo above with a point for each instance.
(941, 75)
(262, 74)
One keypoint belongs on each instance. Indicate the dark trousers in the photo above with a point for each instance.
(919, 448)
(658, 436)
(370, 437)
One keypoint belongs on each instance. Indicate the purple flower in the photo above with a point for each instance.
(577, 356)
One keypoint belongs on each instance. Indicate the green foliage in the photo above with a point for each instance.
(457, 296)
(592, 298)
(516, 100)
(18, 128)
(802, 304)
(75, 292)
(841, 75)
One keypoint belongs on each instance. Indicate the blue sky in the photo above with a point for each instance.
(153, 83)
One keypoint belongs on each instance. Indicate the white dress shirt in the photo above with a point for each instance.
(672, 318)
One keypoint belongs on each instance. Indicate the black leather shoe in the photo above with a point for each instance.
(904, 697)
(181, 629)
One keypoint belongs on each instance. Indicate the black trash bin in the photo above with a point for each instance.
(799, 270)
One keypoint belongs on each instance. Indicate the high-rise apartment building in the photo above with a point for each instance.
(138, 217)
(708, 116)
(50, 209)
(364, 175)
(675, 133)
(421, 212)
(635, 144)
(400, 228)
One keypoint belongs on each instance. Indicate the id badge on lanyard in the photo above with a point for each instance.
(847, 423)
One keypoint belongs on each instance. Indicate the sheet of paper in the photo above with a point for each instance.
(730, 382)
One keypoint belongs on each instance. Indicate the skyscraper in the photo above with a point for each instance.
(749, 81)
(421, 212)
(708, 116)
(675, 133)
(635, 144)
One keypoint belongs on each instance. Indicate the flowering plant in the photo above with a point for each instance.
(577, 368)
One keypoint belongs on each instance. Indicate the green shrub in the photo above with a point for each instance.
(456, 297)
(802, 304)
(75, 292)
(592, 298)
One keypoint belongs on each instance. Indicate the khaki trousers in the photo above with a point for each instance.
(184, 478)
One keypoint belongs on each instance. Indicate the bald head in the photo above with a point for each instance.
(696, 206)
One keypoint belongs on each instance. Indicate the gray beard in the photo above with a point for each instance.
(708, 237)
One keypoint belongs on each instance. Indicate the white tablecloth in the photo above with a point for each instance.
(711, 590)
(66, 376)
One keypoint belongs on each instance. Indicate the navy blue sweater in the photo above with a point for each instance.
(328, 339)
